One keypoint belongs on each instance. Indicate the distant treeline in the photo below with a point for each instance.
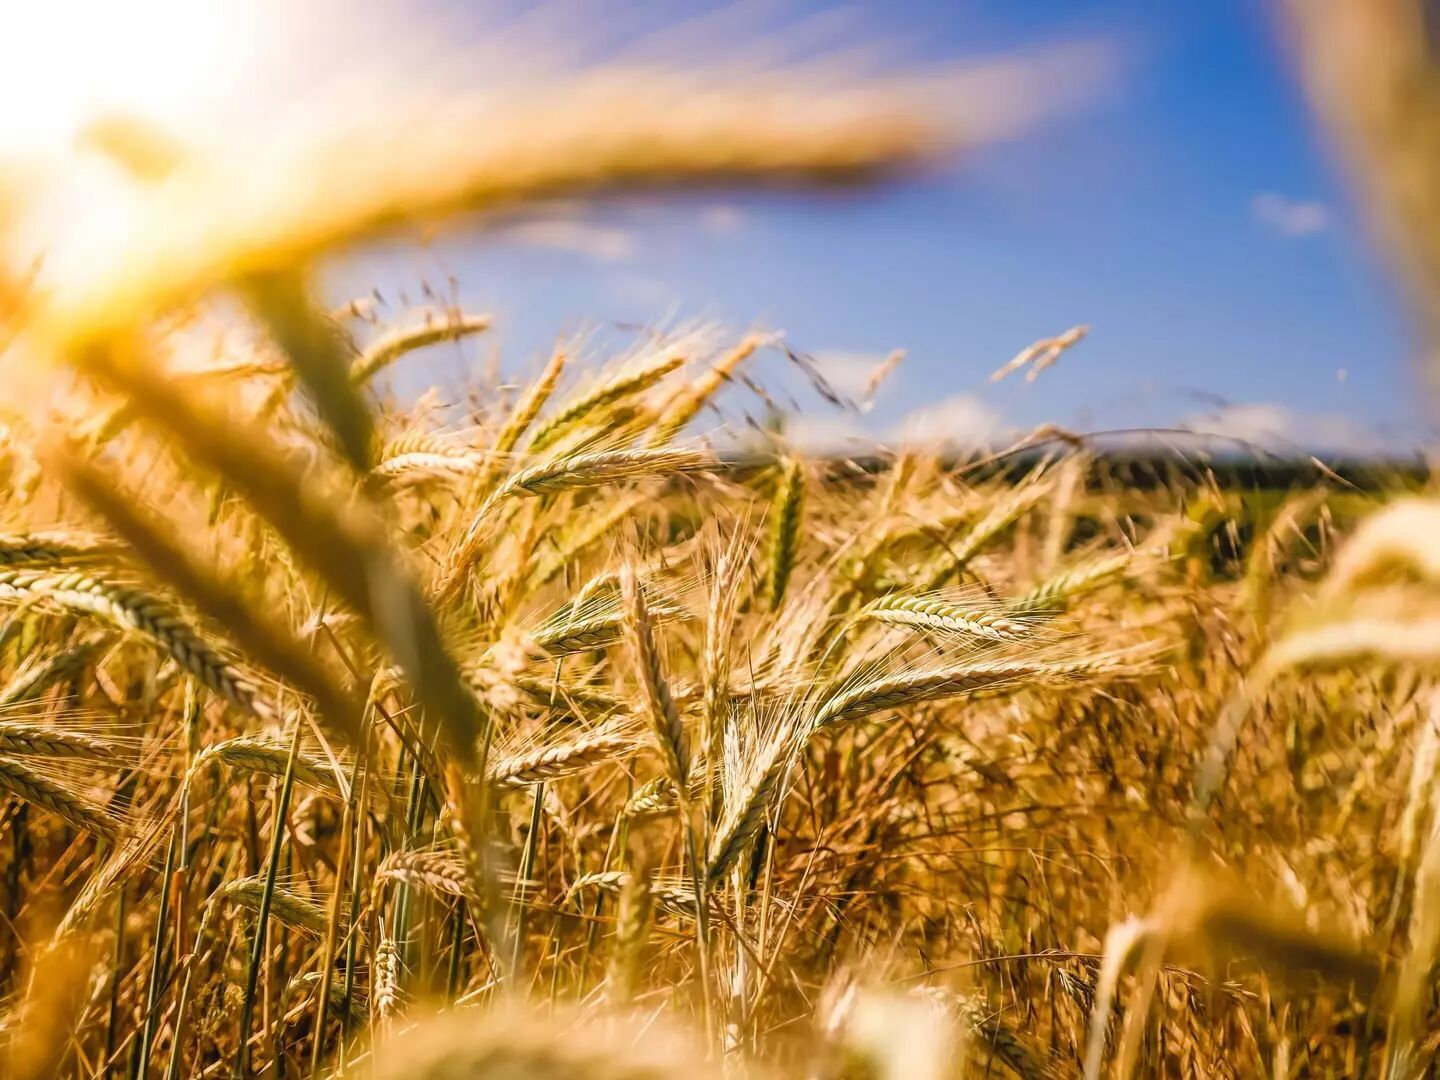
(1157, 471)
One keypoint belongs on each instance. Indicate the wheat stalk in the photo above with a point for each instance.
(19, 738)
(385, 994)
(588, 532)
(683, 407)
(652, 799)
(632, 927)
(604, 467)
(308, 984)
(1041, 354)
(530, 404)
(658, 707)
(385, 350)
(293, 910)
(434, 870)
(68, 805)
(1065, 586)
(552, 477)
(625, 384)
(747, 805)
(553, 761)
(269, 757)
(595, 617)
(671, 897)
(1004, 513)
(947, 615)
(426, 456)
(131, 609)
(546, 692)
(53, 547)
(955, 680)
(31, 682)
(785, 511)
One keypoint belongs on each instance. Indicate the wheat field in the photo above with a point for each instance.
(554, 726)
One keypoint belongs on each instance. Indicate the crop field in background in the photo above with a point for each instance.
(825, 768)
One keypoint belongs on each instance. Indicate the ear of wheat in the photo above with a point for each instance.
(559, 759)
(946, 615)
(19, 738)
(388, 348)
(33, 681)
(957, 680)
(69, 806)
(131, 609)
(786, 509)
(270, 757)
(625, 384)
(657, 704)
(288, 907)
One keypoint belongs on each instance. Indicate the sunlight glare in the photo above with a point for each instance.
(65, 62)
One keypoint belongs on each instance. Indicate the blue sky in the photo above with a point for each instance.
(1190, 214)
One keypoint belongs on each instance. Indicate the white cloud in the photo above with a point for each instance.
(848, 373)
(1290, 217)
(722, 218)
(827, 432)
(1280, 429)
(960, 421)
(966, 422)
(604, 243)
(1006, 96)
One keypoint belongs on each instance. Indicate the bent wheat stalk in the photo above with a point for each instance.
(957, 680)
(293, 910)
(670, 896)
(385, 350)
(48, 795)
(555, 760)
(671, 738)
(681, 409)
(269, 757)
(442, 460)
(551, 477)
(19, 738)
(1008, 510)
(1059, 590)
(131, 609)
(437, 871)
(605, 467)
(625, 384)
(31, 682)
(746, 808)
(57, 547)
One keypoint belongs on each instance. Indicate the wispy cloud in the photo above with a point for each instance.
(604, 243)
(722, 219)
(852, 375)
(1008, 96)
(1279, 429)
(967, 422)
(1290, 217)
(961, 421)
(828, 432)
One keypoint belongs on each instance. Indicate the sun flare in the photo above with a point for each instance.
(65, 62)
